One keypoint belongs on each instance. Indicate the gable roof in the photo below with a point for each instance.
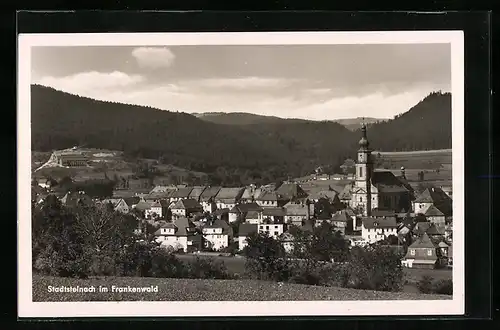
(252, 215)
(341, 216)
(184, 226)
(221, 211)
(159, 194)
(291, 190)
(386, 181)
(209, 193)
(75, 198)
(186, 204)
(423, 242)
(346, 192)
(328, 194)
(246, 229)
(251, 193)
(142, 205)
(274, 211)
(182, 192)
(131, 201)
(382, 213)
(229, 193)
(438, 198)
(266, 195)
(370, 223)
(433, 211)
(296, 209)
(196, 192)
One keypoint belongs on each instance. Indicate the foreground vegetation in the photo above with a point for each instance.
(171, 289)
(87, 241)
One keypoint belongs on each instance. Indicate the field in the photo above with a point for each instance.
(236, 265)
(207, 290)
(104, 163)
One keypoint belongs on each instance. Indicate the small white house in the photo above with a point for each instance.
(273, 229)
(244, 230)
(217, 235)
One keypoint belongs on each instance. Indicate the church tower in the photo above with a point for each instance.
(364, 170)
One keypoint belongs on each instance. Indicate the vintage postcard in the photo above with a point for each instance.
(241, 174)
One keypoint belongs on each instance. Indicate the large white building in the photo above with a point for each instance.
(377, 229)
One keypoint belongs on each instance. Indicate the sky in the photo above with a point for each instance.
(316, 82)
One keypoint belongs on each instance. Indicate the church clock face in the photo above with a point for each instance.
(361, 157)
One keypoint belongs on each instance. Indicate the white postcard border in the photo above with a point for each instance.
(28, 308)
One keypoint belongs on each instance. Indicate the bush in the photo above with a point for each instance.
(443, 287)
(373, 268)
(425, 284)
(207, 268)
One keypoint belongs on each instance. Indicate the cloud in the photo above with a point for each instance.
(244, 83)
(153, 57)
(91, 83)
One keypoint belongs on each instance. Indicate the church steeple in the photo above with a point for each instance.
(364, 169)
(363, 143)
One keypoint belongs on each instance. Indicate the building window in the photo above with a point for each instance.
(361, 172)
(275, 227)
(275, 233)
(361, 199)
(267, 227)
(429, 252)
(412, 252)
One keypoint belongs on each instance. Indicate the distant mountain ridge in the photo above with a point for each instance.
(244, 118)
(258, 147)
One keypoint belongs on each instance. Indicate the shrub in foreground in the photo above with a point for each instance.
(443, 287)
(425, 284)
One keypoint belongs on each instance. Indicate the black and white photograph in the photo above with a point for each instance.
(199, 174)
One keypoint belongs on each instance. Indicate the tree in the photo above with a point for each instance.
(375, 267)
(266, 258)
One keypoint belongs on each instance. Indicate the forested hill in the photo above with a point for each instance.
(263, 150)
(426, 126)
(61, 120)
(242, 118)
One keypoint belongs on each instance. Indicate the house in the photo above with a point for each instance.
(142, 206)
(228, 197)
(270, 199)
(244, 230)
(272, 228)
(76, 198)
(253, 217)
(196, 192)
(376, 213)
(435, 216)
(180, 234)
(329, 194)
(423, 253)
(222, 214)
(158, 210)
(296, 214)
(119, 204)
(185, 208)
(156, 196)
(180, 193)
(340, 220)
(250, 194)
(160, 188)
(207, 199)
(291, 191)
(276, 214)
(240, 211)
(376, 229)
(287, 240)
(217, 235)
(131, 201)
(345, 195)
(433, 196)
(71, 158)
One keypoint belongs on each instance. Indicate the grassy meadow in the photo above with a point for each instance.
(170, 289)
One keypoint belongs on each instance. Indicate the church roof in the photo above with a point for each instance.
(386, 181)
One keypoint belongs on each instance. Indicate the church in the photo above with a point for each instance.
(377, 189)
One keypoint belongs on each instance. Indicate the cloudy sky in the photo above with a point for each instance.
(323, 82)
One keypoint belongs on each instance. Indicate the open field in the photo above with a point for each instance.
(170, 289)
(424, 159)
